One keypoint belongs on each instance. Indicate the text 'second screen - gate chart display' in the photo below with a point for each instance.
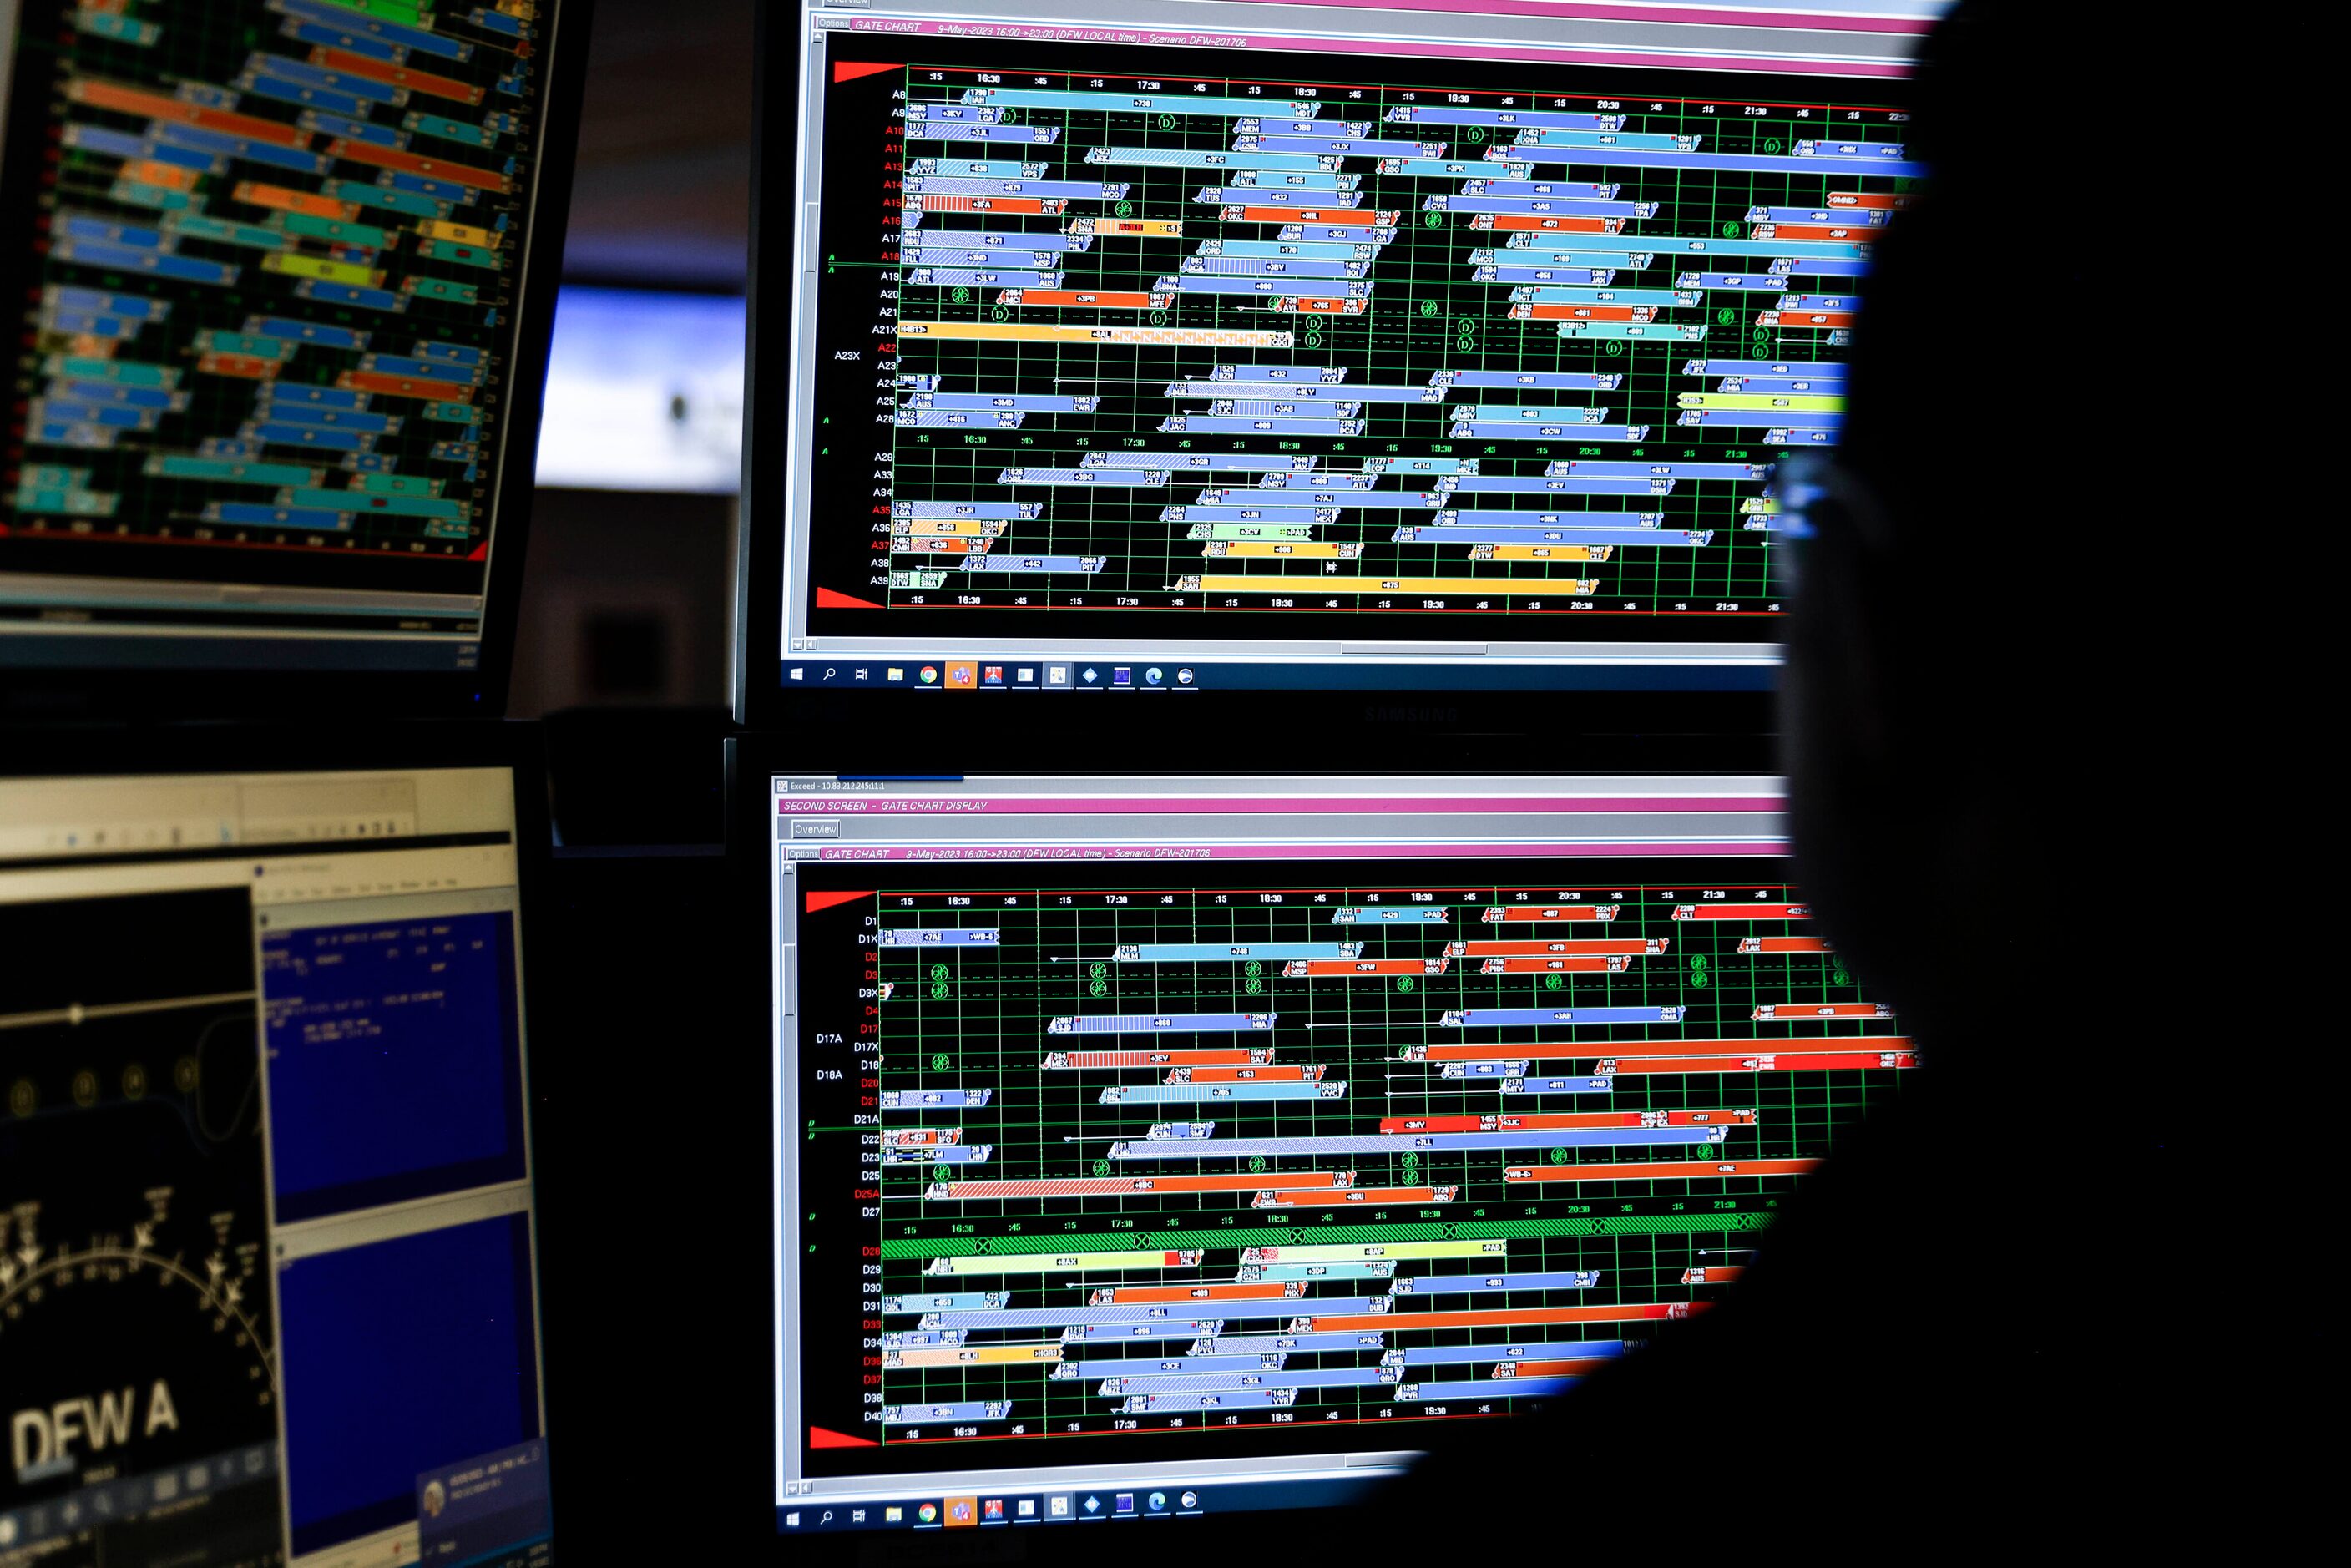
(1098, 350)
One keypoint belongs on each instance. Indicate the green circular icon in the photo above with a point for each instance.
(939, 1061)
(1252, 986)
(1553, 982)
(1843, 977)
(1466, 326)
(1096, 971)
(1612, 346)
(1257, 1163)
(1312, 339)
(1771, 144)
(1429, 306)
(938, 990)
(1166, 122)
(1432, 220)
(1159, 317)
(1405, 983)
(938, 971)
(1101, 1167)
(1252, 967)
(1474, 135)
(1465, 345)
(1123, 210)
(1559, 1156)
(999, 314)
(1729, 229)
(1097, 987)
(960, 296)
(1726, 316)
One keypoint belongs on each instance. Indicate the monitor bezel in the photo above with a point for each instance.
(752, 760)
(1731, 696)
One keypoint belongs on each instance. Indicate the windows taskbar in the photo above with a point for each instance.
(1163, 673)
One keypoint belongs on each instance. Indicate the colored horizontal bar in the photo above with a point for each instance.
(967, 1410)
(155, 106)
(376, 383)
(1405, 1142)
(1556, 1119)
(1117, 1187)
(436, 168)
(1508, 430)
(1511, 1017)
(979, 1356)
(352, 63)
(1476, 586)
(281, 517)
(1515, 1353)
(325, 271)
(1215, 952)
(1282, 1197)
(348, 294)
(1023, 332)
(1105, 1317)
(1148, 1023)
(386, 505)
(1478, 1284)
(1668, 1170)
(1376, 1251)
(1486, 1388)
(1191, 1094)
(1080, 1061)
(1628, 946)
(175, 465)
(1060, 1262)
(937, 936)
(1626, 1049)
(1253, 1074)
(131, 258)
(1783, 945)
(1123, 1295)
(1803, 1012)
(1699, 160)
(1146, 1367)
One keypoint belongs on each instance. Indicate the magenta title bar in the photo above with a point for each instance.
(1262, 805)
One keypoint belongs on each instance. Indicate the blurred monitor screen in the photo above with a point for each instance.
(644, 392)
(268, 267)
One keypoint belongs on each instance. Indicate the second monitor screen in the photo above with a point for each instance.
(1127, 352)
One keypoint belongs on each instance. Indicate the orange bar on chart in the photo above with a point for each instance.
(1657, 1170)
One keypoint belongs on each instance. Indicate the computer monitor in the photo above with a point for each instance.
(1360, 346)
(282, 275)
(267, 1282)
(1194, 1145)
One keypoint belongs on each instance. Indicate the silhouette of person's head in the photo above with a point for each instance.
(1972, 620)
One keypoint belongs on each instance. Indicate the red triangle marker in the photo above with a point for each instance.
(826, 1438)
(817, 901)
(850, 70)
(826, 598)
